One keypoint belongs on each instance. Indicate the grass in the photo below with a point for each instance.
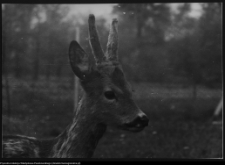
(179, 127)
(170, 134)
(164, 139)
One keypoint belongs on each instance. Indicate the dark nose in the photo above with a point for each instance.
(140, 121)
(143, 121)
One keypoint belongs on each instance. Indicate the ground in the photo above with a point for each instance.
(179, 127)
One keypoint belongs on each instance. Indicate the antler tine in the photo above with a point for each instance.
(112, 44)
(94, 40)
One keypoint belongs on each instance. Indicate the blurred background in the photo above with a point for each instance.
(170, 52)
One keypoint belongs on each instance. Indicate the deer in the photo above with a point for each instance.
(106, 101)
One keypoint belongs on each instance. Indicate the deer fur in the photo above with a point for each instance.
(107, 101)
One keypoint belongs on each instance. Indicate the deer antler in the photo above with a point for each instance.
(94, 40)
(112, 44)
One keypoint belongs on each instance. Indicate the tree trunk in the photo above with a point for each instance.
(17, 68)
(48, 70)
(194, 85)
(7, 95)
(139, 26)
(36, 61)
(139, 31)
(36, 68)
(5, 73)
(58, 71)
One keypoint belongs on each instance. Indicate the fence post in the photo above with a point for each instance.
(76, 80)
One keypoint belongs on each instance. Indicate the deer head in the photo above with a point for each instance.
(107, 94)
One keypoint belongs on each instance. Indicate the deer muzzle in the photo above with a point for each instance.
(138, 124)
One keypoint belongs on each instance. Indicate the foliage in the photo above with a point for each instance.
(197, 54)
(50, 44)
(16, 19)
(161, 46)
(150, 20)
(32, 36)
(211, 43)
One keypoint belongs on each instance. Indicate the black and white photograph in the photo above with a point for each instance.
(105, 81)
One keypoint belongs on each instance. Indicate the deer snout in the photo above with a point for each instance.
(142, 120)
(138, 123)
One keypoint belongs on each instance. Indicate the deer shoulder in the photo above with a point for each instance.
(18, 146)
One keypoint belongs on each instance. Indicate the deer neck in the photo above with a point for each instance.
(80, 139)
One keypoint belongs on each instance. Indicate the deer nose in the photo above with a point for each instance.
(142, 121)
(139, 122)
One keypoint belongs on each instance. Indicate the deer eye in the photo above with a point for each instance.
(110, 95)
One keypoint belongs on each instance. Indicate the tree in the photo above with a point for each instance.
(16, 28)
(36, 35)
(150, 20)
(142, 35)
(49, 40)
(15, 33)
(196, 52)
(211, 43)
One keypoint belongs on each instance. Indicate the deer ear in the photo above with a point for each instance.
(78, 60)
